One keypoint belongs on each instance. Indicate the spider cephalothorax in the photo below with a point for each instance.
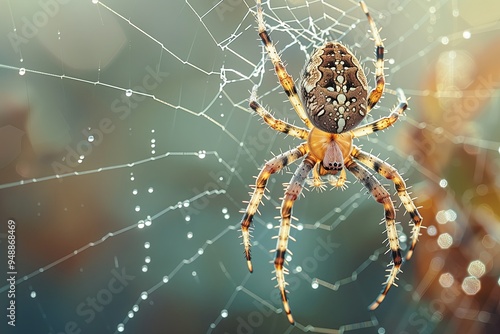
(332, 101)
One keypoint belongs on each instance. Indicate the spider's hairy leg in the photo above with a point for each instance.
(292, 193)
(381, 195)
(286, 80)
(391, 173)
(275, 123)
(384, 122)
(272, 166)
(377, 92)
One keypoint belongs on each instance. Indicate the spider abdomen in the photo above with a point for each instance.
(334, 89)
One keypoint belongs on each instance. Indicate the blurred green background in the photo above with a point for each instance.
(128, 147)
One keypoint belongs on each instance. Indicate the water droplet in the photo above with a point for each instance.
(147, 245)
(471, 285)
(314, 284)
(147, 259)
(189, 235)
(445, 240)
(144, 268)
(446, 280)
(144, 295)
(120, 327)
(476, 268)
(22, 71)
(187, 218)
(90, 139)
(137, 208)
(202, 154)
(33, 294)
(150, 190)
(443, 183)
(134, 192)
(224, 313)
(165, 279)
(128, 92)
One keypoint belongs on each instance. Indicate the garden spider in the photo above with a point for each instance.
(333, 88)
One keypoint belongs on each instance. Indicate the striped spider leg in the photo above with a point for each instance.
(388, 171)
(372, 184)
(272, 166)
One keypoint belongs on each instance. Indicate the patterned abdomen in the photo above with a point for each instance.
(333, 89)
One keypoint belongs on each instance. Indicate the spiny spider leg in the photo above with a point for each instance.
(285, 79)
(376, 92)
(381, 195)
(384, 122)
(275, 123)
(272, 166)
(390, 173)
(292, 193)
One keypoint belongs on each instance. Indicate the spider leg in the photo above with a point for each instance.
(381, 195)
(275, 123)
(272, 166)
(292, 193)
(285, 79)
(384, 122)
(391, 173)
(376, 92)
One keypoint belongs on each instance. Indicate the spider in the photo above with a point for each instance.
(332, 100)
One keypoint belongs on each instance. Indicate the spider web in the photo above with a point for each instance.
(128, 148)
